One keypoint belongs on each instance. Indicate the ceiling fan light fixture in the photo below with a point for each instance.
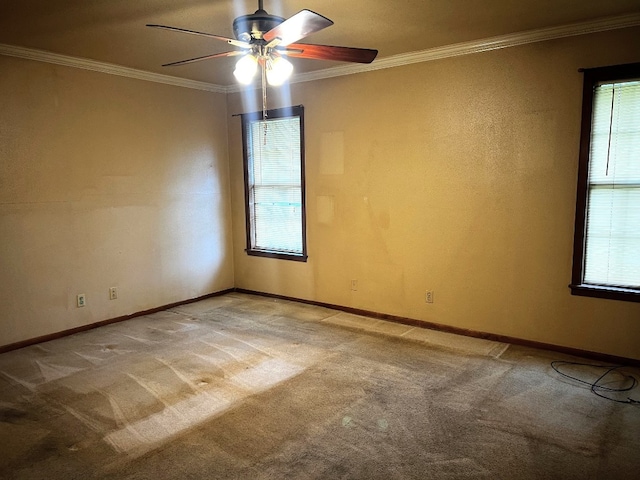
(279, 69)
(265, 39)
(246, 69)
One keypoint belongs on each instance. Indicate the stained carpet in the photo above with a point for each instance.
(245, 387)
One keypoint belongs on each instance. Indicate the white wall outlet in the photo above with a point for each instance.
(81, 300)
(354, 285)
(428, 296)
(113, 293)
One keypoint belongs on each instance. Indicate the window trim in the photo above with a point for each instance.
(592, 77)
(293, 111)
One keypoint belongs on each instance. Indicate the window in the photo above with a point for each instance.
(606, 261)
(274, 183)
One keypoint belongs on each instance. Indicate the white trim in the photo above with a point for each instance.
(86, 64)
(477, 46)
(437, 53)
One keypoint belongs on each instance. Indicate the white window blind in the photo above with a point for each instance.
(612, 243)
(275, 185)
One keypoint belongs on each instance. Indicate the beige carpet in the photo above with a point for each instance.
(245, 387)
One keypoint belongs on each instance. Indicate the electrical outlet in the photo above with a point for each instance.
(429, 296)
(81, 300)
(354, 285)
(113, 293)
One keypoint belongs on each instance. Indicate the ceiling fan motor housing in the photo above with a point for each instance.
(254, 26)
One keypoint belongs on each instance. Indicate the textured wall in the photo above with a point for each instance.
(106, 181)
(457, 176)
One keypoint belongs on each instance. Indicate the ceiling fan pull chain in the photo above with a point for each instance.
(264, 91)
(264, 104)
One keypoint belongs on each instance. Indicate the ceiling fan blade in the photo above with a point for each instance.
(205, 57)
(330, 52)
(230, 41)
(303, 23)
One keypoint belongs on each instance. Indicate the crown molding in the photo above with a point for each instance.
(109, 68)
(430, 54)
(478, 46)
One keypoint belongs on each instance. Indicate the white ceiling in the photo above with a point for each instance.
(113, 31)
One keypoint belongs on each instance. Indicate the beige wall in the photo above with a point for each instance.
(457, 176)
(106, 181)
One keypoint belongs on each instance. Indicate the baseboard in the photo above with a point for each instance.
(600, 357)
(83, 328)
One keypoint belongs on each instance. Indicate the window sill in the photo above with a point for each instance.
(282, 256)
(611, 293)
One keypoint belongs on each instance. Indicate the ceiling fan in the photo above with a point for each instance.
(264, 40)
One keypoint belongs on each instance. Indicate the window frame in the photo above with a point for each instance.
(592, 77)
(247, 118)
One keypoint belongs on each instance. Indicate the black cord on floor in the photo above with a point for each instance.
(596, 386)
